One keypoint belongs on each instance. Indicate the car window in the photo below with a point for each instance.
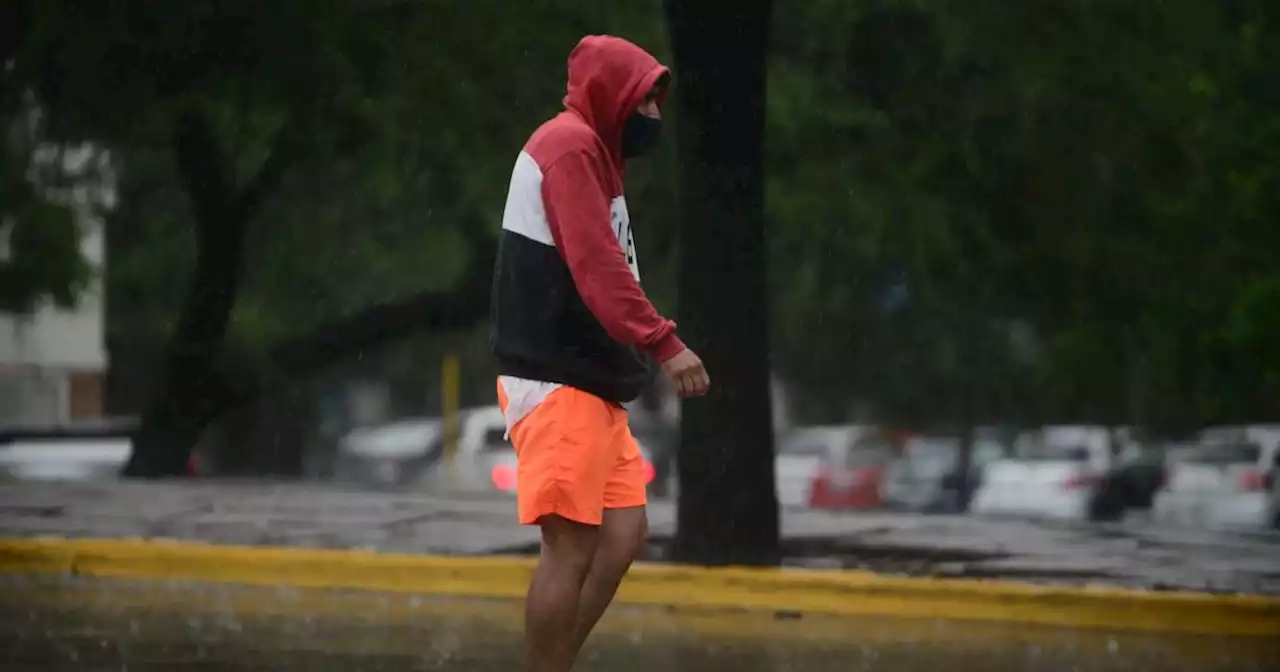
(1142, 453)
(1037, 449)
(930, 455)
(803, 447)
(985, 452)
(926, 449)
(872, 452)
(1224, 453)
(494, 440)
(935, 460)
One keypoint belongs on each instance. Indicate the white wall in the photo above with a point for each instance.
(52, 337)
(34, 397)
(39, 350)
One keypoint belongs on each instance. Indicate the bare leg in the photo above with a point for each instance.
(622, 536)
(551, 608)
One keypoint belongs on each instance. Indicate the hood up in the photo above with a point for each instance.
(608, 78)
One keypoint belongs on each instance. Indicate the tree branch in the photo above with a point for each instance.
(283, 153)
(466, 305)
(201, 165)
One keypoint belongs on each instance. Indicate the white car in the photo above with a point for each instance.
(1052, 473)
(920, 479)
(484, 461)
(1227, 480)
(396, 453)
(65, 459)
(801, 453)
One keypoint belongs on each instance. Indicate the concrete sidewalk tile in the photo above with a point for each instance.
(314, 514)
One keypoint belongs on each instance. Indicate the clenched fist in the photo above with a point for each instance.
(687, 374)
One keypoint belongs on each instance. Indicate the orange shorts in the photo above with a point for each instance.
(576, 457)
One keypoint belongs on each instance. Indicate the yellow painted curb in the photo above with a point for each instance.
(778, 590)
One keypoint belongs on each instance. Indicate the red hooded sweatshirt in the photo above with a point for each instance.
(567, 304)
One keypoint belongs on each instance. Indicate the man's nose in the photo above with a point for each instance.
(649, 108)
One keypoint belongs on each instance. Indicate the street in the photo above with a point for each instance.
(76, 624)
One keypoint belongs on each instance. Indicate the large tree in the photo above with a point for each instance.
(728, 509)
(234, 98)
(301, 184)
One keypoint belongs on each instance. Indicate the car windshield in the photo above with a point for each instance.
(986, 451)
(1142, 453)
(806, 444)
(931, 454)
(1035, 448)
(870, 453)
(1224, 453)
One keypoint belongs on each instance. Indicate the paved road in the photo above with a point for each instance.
(312, 515)
(69, 624)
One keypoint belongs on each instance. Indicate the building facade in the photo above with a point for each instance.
(53, 361)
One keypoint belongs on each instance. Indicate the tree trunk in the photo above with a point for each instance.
(267, 437)
(728, 509)
(190, 394)
(463, 306)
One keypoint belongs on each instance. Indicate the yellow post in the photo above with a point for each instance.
(449, 393)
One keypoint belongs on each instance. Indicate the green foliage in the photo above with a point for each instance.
(401, 122)
(1103, 176)
(1104, 172)
(40, 257)
(41, 240)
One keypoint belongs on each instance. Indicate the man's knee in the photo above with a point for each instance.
(622, 539)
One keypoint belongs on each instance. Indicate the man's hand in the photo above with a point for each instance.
(687, 374)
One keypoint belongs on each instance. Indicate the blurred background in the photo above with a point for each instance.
(1015, 258)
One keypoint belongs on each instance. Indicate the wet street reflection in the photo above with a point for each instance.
(80, 624)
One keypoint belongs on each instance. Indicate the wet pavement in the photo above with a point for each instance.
(1135, 553)
(66, 624)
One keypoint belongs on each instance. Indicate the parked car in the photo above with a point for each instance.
(926, 477)
(1131, 482)
(398, 453)
(1273, 479)
(800, 454)
(89, 450)
(990, 444)
(78, 459)
(1226, 480)
(913, 481)
(484, 461)
(1053, 472)
(849, 476)
(658, 440)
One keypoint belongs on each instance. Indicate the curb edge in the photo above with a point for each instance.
(785, 590)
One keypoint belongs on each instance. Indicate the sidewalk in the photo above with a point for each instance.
(316, 516)
(305, 536)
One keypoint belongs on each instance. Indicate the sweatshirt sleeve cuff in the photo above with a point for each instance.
(667, 347)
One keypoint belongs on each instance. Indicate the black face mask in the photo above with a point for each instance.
(640, 134)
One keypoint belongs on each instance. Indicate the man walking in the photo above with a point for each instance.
(573, 332)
